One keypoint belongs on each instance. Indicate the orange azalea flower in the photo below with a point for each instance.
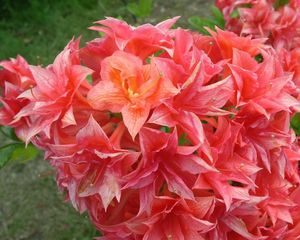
(131, 88)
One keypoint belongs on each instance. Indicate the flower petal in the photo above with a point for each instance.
(134, 117)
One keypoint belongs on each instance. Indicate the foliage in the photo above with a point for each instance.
(140, 9)
(280, 3)
(38, 29)
(200, 24)
(24, 25)
(295, 123)
(6, 152)
(15, 150)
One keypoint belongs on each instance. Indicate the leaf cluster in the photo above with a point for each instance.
(201, 24)
(15, 150)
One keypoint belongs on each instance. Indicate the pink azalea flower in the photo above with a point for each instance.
(177, 135)
(52, 97)
(259, 20)
(142, 41)
(131, 88)
(15, 78)
(93, 164)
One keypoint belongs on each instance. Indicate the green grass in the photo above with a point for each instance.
(39, 29)
(32, 208)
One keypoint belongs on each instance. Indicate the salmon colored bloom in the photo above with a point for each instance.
(55, 89)
(226, 41)
(130, 87)
(94, 166)
(15, 78)
(142, 41)
(259, 20)
(280, 24)
(166, 134)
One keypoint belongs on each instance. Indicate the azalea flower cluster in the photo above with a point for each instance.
(163, 133)
(277, 21)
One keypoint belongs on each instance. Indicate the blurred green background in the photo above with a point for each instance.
(31, 207)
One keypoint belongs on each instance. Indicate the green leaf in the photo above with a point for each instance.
(235, 14)
(200, 23)
(115, 115)
(120, 17)
(141, 9)
(218, 16)
(146, 7)
(17, 152)
(133, 8)
(89, 78)
(247, 5)
(6, 153)
(23, 154)
(158, 53)
(9, 133)
(295, 123)
(259, 58)
(183, 140)
(165, 129)
(280, 3)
